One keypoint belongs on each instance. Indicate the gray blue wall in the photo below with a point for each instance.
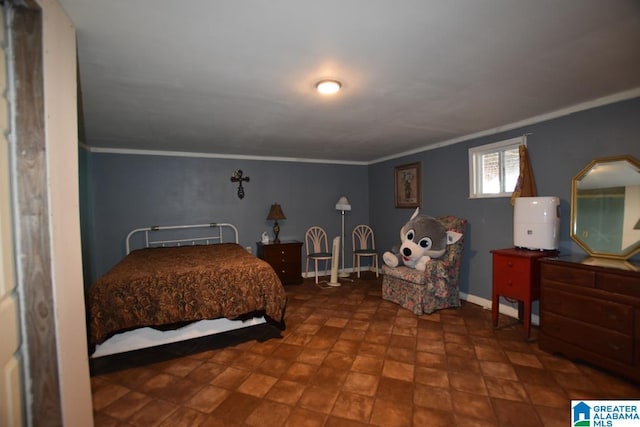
(129, 191)
(132, 191)
(558, 149)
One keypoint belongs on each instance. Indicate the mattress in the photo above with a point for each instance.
(170, 286)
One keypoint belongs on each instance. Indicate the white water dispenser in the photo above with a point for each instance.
(536, 223)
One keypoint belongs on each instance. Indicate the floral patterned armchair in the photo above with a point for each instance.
(436, 287)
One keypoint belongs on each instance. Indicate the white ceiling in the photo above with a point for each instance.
(236, 78)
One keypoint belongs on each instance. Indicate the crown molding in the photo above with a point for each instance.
(599, 102)
(128, 151)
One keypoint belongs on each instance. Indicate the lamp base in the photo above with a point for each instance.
(345, 276)
(276, 231)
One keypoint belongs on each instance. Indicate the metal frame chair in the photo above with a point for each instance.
(317, 246)
(364, 246)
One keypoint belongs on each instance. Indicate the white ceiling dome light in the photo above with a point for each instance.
(328, 87)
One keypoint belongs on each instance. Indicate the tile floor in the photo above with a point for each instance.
(348, 358)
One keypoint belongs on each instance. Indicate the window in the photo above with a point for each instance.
(494, 168)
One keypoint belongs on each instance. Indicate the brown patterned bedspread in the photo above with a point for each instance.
(164, 286)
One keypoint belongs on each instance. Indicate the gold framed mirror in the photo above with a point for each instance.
(605, 207)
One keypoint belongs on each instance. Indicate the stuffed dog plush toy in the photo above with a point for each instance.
(423, 238)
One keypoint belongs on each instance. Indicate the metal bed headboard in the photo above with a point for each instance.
(207, 240)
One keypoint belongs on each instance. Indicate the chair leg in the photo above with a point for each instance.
(359, 261)
(316, 264)
(376, 264)
(353, 261)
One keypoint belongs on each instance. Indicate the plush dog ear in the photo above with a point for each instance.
(453, 236)
(415, 214)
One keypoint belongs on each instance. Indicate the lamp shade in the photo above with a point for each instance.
(275, 212)
(343, 204)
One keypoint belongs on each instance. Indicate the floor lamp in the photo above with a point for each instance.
(343, 205)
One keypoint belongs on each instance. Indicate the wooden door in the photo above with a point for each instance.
(11, 396)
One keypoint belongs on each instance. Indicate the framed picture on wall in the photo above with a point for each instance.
(407, 185)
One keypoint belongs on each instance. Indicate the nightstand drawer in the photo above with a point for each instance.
(288, 272)
(514, 286)
(605, 314)
(282, 253)
(509, 265)
(285, 259)
(512, 277)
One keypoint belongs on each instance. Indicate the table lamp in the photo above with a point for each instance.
(275, 213)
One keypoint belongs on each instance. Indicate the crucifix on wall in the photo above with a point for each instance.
(237, 177)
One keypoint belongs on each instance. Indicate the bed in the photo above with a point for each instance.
(178, 288)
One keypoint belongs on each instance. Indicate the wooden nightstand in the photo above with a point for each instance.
(516, 275)
(285, 259)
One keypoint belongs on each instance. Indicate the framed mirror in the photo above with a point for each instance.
(605, 207)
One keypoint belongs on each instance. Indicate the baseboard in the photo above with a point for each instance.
(505, 309)
(328, 272)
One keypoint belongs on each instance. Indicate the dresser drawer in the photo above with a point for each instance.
(567, 275)
(618, 283)
(636, 328)
(605, 314)
(598, 340)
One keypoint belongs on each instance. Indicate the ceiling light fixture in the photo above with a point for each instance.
(328, 87)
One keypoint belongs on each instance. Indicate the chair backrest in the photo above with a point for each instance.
(454, 251)
(316, 240)
(362, 238)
